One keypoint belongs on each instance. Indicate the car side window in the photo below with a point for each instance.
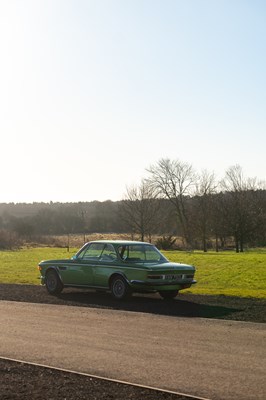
(109, 253)
(93, 252)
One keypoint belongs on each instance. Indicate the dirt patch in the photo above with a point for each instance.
(23, 381)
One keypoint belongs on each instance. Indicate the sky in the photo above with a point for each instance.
(94, 92)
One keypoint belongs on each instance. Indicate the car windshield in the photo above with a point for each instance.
(140, 253)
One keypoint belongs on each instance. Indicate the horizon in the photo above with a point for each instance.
(94, 93)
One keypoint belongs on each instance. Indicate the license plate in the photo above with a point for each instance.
(170, 277)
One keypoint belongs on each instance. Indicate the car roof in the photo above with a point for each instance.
(117, 242)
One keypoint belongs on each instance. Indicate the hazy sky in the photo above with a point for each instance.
(92, 92)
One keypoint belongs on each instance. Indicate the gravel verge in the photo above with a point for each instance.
(185, 305)
(23, 381)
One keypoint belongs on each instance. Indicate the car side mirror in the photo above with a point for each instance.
(74, 257)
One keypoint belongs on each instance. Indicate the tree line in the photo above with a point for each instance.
(172, 201)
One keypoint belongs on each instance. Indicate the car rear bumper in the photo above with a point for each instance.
(163, 285)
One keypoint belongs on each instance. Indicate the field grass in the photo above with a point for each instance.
(226, 273)
(21, 266)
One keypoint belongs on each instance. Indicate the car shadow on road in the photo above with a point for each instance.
(153, 304)
(185, 304)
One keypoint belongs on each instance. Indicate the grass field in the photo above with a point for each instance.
(226, 273)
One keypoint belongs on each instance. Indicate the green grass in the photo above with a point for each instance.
(21, 266)
(227, 273)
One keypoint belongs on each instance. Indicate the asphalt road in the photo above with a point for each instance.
(210, 358)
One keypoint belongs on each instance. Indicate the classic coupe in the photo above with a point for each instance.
(121, 267)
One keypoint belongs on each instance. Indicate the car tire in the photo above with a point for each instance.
(168, 294)
(53, 283)
(119, 288)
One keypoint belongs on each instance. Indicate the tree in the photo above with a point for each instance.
(240, 205)
(139, 209)
(175, 181)
(259, 235)
(22, 227)
(203, 202)
(219, 219)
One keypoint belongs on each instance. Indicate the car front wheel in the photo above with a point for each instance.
(168, 294)
(119, 288)
(53, 283)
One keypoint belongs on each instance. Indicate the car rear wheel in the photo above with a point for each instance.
(119, 288)
(168, 294)
(53, 283)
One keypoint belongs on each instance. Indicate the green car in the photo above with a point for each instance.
(122, 267)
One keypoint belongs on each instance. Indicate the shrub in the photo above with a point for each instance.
(9, 240)
(166, 242)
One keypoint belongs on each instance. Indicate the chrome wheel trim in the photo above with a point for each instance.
(51, 281)
(119, 288)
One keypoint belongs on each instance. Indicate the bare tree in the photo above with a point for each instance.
(205, 188)
(240, 205)
(175, 180)
(139, 209)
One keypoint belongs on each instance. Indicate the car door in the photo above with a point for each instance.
(83, 265)
(108, 263)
